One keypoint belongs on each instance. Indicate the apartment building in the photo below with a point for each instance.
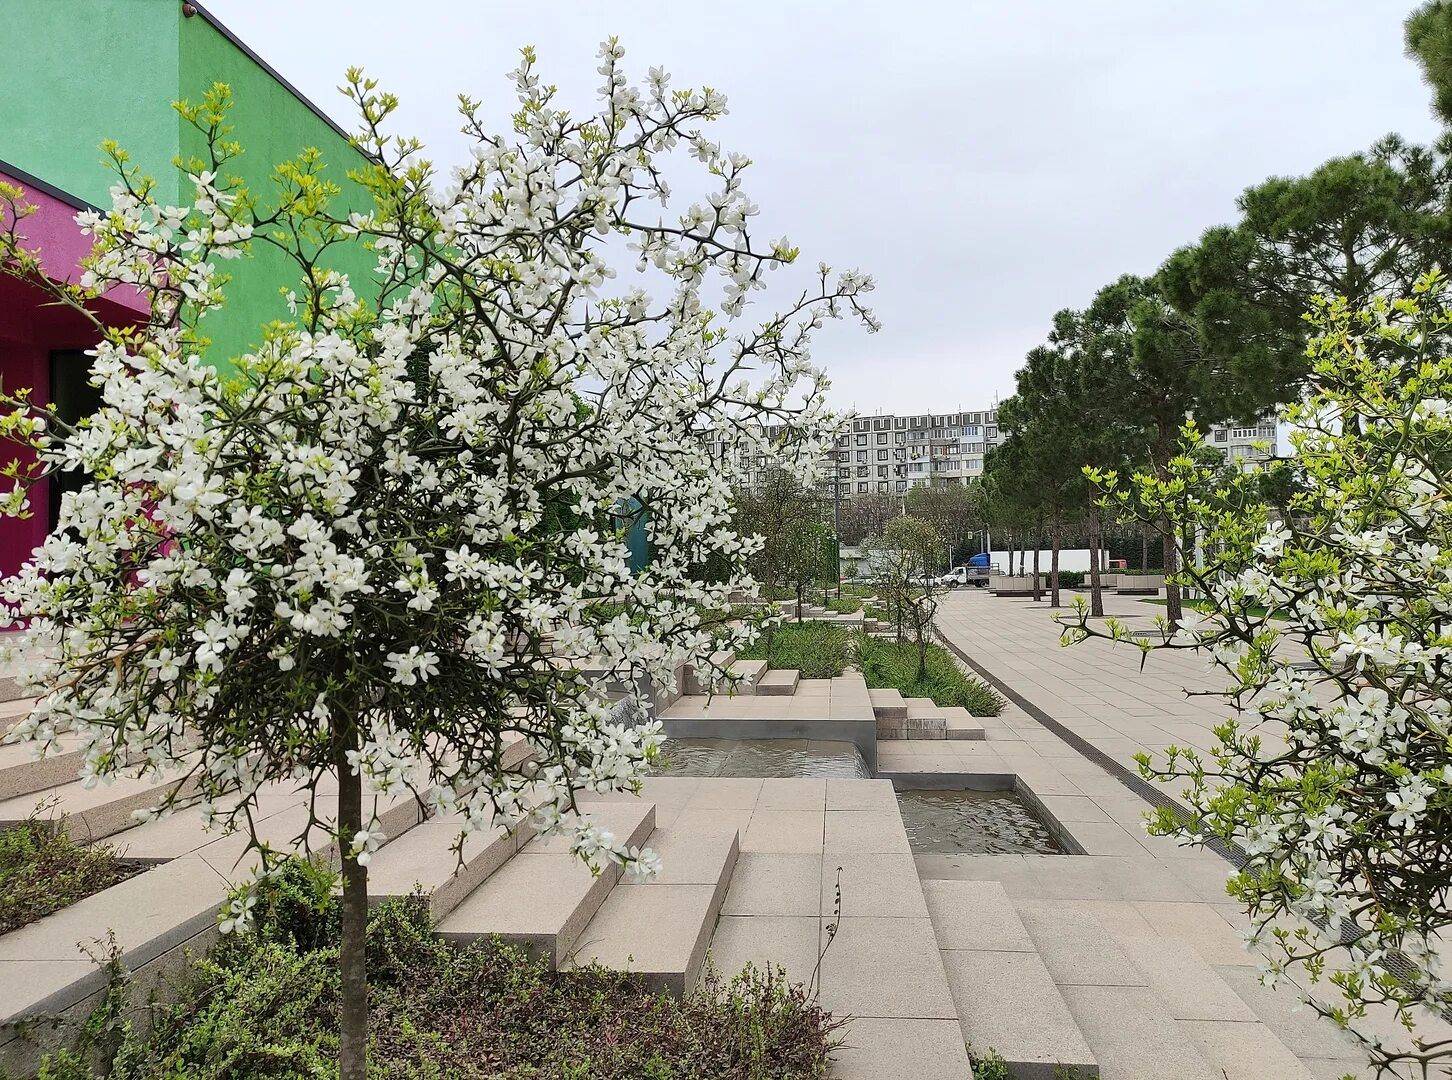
(889, 454)
(1245, 444)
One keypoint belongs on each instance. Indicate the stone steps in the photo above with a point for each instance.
(423, 859)
(925, 719)
(544, 896)
(703, 680)
(750, 673)
(22, 773)
(1006, 999)
(660, 929)
(888, 704)
(961, 724)
(90, 813)
(1150, 1004)
(778, 682)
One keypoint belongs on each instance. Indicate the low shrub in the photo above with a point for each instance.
(894, 665)
(819, 650)
(43, 870)
(1071, 579)
(265, 1006)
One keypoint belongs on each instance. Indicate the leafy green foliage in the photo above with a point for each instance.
(893, 665)
(1429, 42)
(43, 870)
(265, 1006)
(819, 650)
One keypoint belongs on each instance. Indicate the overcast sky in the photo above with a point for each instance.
(988, 163)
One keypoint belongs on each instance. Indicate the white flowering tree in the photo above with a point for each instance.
(1332, 623)
(391, 543)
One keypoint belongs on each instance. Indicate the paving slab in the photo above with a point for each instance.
(1132, 1037)
(1076, 949)
(885, 967)
(881, 885)
(423, 859)
(542, 898)
(778, 682)
(1244, 1051)
(784, 832)
(1007, 1002)
(786, 941)
(775, 884)
(660, 933)
(865, 832)
(975, 915)
(896, 1049)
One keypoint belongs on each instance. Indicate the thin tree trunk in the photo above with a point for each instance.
(1143, 552)
(1054, 564)
(1096, 588)
(1038, 583)
(1174, 610)
(799, 601)
(353, 947)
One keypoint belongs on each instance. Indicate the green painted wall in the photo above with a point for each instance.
(273, 126)
(76, 72)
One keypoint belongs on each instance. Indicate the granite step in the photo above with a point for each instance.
(750, 672)
(1129, 1020)
(13, 711)
(22, 773)
(778, 682)
(544, 896)
(423, 859)
(961, 724)
(50, 965)
(698, 680)
(281, 818)
(925, 719)
(661, 928)
(888, 704)
(90, 813)
(1006, 999)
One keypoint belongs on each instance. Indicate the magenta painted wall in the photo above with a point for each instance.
(30, 329)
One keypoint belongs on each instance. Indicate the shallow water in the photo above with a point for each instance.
(761, 757)
(972, 823)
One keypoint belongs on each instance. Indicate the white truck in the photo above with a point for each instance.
(968, 574)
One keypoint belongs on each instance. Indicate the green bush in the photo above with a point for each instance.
(893, 665)
(817, 649)
(42, 870)
(264, 1006)
(1071, 579)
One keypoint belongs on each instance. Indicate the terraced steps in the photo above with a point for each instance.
(423, 859)
(750, 673)
(700, 681)
(961, 724)
(661, 929)
(925, 719)
(543, 897)
(778, 682)
(90, 813)
(1005, 996)
(22, 773)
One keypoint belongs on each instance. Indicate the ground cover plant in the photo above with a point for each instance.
(819, 650)
(43, 870)
(895, 665)
(265, 1006)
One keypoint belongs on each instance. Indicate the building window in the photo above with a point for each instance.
(882, 455)
(882, 440)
